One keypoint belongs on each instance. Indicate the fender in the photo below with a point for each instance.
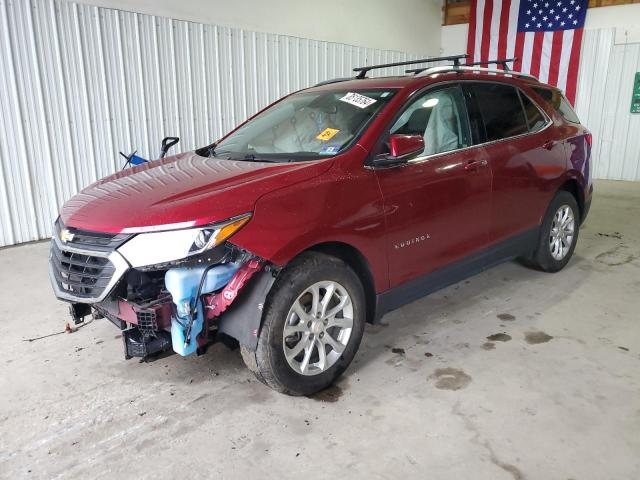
(323, 209)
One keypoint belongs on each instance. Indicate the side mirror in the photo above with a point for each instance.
(400, 147)
(167, 143)
(404, 145)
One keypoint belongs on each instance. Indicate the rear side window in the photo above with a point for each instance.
(558, 102)
(501, 110)
(535, 118)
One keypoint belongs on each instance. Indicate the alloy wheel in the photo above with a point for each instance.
(562, 232)
(318, 328)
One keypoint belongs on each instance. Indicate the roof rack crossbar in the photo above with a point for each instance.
(501, 61)
(362, 71)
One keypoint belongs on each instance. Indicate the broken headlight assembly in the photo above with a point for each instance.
(156, 248)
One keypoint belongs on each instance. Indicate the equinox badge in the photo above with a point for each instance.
(412, 241)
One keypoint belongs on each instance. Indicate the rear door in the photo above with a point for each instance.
(437, 205)
(526, 157)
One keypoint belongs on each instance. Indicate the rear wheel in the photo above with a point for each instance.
(312, 326)
(558, 234)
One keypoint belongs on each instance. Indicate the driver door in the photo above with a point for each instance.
(437, 205)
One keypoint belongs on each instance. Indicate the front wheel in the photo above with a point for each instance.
(312, 326)
(558, 234)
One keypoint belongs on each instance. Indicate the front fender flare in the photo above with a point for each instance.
(243, 318)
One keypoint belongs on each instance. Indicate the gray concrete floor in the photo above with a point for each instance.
(554, 395)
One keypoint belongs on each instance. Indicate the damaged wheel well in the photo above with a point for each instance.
(352, 257)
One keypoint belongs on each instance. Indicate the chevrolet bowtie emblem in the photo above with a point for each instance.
(66, 235)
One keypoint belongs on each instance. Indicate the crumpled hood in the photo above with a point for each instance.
(185, 189)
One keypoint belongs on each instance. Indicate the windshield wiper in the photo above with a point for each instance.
(250, 157)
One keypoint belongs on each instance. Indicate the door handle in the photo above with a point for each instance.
(549, 144)
(473, 165)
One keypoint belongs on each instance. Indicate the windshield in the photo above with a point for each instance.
(305, 126)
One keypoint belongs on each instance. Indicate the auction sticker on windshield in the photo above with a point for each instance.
(327, 134)
(360, 101)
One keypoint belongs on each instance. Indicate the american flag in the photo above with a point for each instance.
(544, 35)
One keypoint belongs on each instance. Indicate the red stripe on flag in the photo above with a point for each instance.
(556, 51)
(504, 30)
(519, 50)
(486, 30)
(471, 37)
(537, 53)
(574, 63)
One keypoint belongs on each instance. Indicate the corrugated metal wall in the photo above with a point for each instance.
(603, 104)
(80, 83)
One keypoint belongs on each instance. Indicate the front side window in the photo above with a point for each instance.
(305, 126)
(440, 118)
(501, 110)
(558, 102)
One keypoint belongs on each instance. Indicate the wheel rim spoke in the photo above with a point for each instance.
(291, 353)
(324, 303)
(293, 329)
(315, 300)
(333, 343)
(298, 309)
(308, 350)
(322, 355)
(344, 302)
(340, 322)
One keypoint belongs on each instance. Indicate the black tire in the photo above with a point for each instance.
(268, 362)
(542, 259)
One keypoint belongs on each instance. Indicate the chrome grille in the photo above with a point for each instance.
(86, 267)
(84, 276)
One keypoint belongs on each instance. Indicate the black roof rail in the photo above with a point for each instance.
(501, 61)
(362, 71)
(333, 80)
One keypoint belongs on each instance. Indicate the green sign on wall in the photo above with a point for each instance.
(635, 98)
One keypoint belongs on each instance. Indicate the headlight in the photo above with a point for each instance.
(154, 248)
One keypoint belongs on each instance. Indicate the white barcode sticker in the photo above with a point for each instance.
(358, 100)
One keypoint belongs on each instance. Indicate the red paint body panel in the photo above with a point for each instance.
(458, 210)
(342, 205)
(439, 202)
(183, 188)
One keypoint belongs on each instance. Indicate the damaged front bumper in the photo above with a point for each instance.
(180, 307)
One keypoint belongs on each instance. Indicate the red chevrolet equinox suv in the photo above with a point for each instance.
(327, 209)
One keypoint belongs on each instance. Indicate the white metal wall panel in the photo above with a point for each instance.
(603, 104)
(79, 83)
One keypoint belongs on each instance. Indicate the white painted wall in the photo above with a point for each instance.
(411, 26)
(453, 39)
